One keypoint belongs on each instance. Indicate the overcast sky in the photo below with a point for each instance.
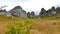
(30, 5)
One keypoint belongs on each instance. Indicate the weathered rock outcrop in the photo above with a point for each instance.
(32, 15)
(18, 12)
(49, 12)
(58, 10)
(42, 13)
(53, 10)
(5, 13)
(28, 14)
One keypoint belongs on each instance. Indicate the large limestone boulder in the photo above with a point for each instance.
(42, 13)
(58, 10)
(49, 12)
(18, 12)
(53, 10)
(5, 13)
(32, 15)
(28, 14)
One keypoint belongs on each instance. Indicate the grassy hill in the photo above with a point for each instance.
(53, 17)
(9, 25)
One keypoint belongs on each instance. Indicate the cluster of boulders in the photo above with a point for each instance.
(5, 13)
(49, 12)
(19, 12)
(31, 15)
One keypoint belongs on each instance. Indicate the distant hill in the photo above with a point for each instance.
(17, 11)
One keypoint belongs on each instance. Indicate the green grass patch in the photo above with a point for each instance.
(21, 28)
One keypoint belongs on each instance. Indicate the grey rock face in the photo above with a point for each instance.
(24, 14)
(28, 14)
(53, 10)
(32, 15)
(58, 10)
(49, 12)
(18, 12)
(4, 12)
(7, 14)
(42, 13)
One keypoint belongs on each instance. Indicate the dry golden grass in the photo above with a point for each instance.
(41, 26)
(47, 26)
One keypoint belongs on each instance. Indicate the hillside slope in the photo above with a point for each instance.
(4, 21)
(34, 26)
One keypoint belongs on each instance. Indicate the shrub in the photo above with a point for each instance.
(22, 28)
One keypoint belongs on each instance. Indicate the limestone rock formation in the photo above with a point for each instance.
(18, 12)
(58, 10)
(28, 14)
(49, 12)
(32, 15)
(53, 10)
(5, 13)
(42, 13)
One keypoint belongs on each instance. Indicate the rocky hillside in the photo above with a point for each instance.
(19, 12)
(50, 12)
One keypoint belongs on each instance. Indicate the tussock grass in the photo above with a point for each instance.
(21, 28)
(29, 26)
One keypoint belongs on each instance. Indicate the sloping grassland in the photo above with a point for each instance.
(9, 25)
